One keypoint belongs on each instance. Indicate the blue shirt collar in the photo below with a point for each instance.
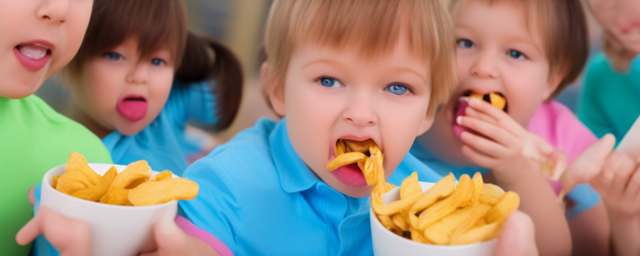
(294, 174)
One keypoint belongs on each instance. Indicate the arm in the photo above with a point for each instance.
(503, 148)
(590, 232)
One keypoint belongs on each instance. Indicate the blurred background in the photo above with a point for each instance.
(240, 24)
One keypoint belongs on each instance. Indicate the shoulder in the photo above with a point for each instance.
(245, 158)
(556, 124)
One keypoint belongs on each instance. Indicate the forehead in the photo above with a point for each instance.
(398, 58)
(505, 20)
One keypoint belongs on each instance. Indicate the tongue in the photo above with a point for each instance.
(33, 52)
(462, 106)
(132, 110)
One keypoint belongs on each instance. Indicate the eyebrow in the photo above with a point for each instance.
(342, 66)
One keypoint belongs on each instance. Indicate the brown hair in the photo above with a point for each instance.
(159, 24)
(374, 25)
(565, 34)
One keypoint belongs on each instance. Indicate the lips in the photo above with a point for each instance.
(33, 55)
(462, 105)
(132, 107)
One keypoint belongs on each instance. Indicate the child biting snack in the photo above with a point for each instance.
(37, 39)
(526, 53)
(139, 76)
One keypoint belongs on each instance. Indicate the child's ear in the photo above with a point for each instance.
(553, 83)
(275, 89)
(426, 123)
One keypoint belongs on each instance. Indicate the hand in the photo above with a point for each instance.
(517, 237)
(589, 164)
(68, 235)
(501, 144)
(171, 240)
(619, 185)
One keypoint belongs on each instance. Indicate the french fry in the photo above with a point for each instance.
(360, 146)
(118, 196)
(478, 234)
(161, 176)
(410, 192)
(95, 192)
(497, 100)
(54, 181)
(490, 194)
(509, 202)
(345, 159)
(460, 197)
(441, 189)
(158, 192)
(77, 163)
(70, 182)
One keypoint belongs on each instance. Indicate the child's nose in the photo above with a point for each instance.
(138, 75)
(360, 112)
(484, 67)
(55, 11)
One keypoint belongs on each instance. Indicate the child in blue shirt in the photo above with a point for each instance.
(139, 76)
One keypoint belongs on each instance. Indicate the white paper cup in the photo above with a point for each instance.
(115, 229)
(387, 243)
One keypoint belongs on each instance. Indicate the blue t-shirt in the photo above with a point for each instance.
(163, 143)
(582, 195)
(259, 198)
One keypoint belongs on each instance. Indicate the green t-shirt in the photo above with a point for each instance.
(33, 139)
(609, 99)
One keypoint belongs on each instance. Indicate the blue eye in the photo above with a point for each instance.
(465, 43)
(515, 54)
(113, 56)
(329, 82)
(158, 62)
(397, 89)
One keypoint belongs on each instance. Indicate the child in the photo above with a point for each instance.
(527, 51)
(37, 38)
(121, 81)
(608, 102)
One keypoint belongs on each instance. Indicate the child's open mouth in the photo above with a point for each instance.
(495, 98)
(353, 163)
(33, 55)
(132, 107)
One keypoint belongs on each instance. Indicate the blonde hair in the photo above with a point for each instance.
(374, 25)
(564, 29)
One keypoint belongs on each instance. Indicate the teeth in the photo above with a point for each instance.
(33, 52)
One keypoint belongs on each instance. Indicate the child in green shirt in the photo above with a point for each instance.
(38, 38)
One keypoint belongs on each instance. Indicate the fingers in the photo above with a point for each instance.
(70, 236)
(486, 146)
(633, 188)
(618, 170)
(517, 236)
(478, 158)
(488, 130)
(502, 118)
(588, 164)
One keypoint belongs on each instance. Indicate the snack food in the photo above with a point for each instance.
(445, 214)
(133, 186)
(494, 98)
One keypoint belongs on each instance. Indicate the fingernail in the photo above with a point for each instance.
(168, 225)
(459, 120)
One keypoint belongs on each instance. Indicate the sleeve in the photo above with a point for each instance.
(192, 101)
(590, 108)
(192, 230)
(217, 208)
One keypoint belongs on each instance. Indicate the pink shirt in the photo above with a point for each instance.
(556, 124)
